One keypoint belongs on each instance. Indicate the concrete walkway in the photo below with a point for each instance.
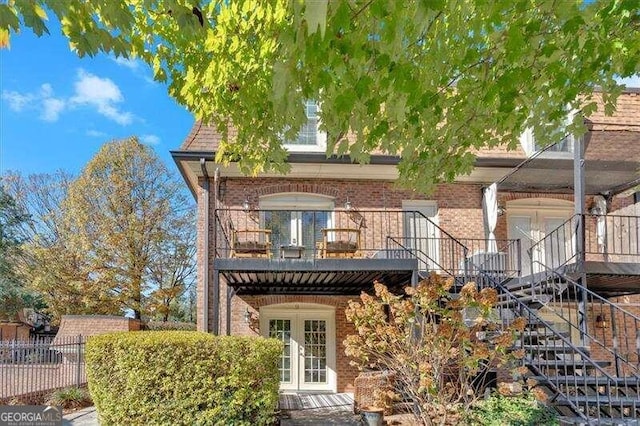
(307, 417)
(296, 410)
(85, 417)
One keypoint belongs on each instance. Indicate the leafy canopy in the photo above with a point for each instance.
(430, 81)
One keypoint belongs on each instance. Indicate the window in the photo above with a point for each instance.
(528, 142)
(296, 219)
(310, 138)
(560, 149)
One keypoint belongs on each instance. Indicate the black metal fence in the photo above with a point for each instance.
(36, 367)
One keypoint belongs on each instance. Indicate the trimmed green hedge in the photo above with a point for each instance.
(183, 378)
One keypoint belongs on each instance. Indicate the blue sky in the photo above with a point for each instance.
(56, 109)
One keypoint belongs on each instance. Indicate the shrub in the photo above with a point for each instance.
(169, 325)
(183, 377)
(70, 398)
(522, 410)
(424, 339)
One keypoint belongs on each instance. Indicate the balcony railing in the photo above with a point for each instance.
(354, 234)
(607, 238)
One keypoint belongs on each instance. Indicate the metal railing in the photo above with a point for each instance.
(588, 387)
(411, 230)
(607, 238)
(604, 327)
(32, 368)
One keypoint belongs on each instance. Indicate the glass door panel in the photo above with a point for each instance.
(315, 351)
(310, 229)
(281, 329)
(520, 228)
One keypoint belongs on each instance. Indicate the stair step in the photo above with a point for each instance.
(573, 364)
(545, 335)
(531, 299)
(550, 348)
(587, 380)
(615, 401)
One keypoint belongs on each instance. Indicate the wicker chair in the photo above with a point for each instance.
(340, 242)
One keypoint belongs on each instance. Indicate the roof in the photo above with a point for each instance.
(627, 117)
(612, 155)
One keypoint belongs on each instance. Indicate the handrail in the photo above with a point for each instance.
(542, 365)
(611, 236)
(612, 311)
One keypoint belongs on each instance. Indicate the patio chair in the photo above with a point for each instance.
(251, 243)
(339, 243)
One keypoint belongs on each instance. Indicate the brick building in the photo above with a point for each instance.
(281, 256)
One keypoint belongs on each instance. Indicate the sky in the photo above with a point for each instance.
(56, 109)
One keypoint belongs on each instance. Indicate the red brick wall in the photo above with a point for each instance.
(91, 325)
(346, 373)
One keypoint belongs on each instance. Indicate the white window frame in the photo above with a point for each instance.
(321, 138)
(290, 201)
(528, 142)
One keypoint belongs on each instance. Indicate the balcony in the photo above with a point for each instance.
(330, 251)
(611, 252)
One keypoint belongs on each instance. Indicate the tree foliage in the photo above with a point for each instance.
(119, 237)
(430, 81)
(126, 207)
(13, 293)
(52, 264)
(429, 341)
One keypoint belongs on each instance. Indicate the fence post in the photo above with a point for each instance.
(79, 360)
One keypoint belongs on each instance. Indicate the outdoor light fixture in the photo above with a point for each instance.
(347, 204)
(601, 322)
(245, 205)
(247, 316)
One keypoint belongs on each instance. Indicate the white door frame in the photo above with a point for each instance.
(429, 208)
(298, 313)
(538, 211)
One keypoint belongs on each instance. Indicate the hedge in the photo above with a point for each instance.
(183, 378)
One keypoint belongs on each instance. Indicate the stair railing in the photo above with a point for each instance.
(607, 324)
(555, 360)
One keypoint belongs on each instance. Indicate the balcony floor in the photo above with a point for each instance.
(314, 276)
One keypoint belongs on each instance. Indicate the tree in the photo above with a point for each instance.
(430, 81)
(13, 294)
(124, 210)
(51, 263)
(428, 340)
(172, 272)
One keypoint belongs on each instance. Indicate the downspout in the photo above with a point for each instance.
(216, 275)
(205, 281)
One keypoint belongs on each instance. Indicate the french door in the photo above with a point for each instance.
(421, 234)
(533, 225)
(307, 361)
(296, 219)
(297, 228)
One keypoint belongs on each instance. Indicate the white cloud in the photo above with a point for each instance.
(102, 94)
(633, 81)
(50, 107)
(132, 64)
(150, 139)
(17, 101)
(96, 134)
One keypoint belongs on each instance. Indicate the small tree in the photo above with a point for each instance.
(429, 339)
